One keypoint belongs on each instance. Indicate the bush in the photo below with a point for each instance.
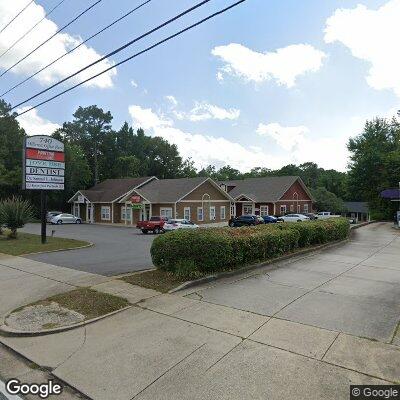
(203, 251)
(14, 214)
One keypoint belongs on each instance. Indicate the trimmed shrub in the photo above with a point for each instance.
(14, 214)
(193, 253)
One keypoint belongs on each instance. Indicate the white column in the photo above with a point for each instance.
(92, 215)
(87, 212)
(126, 214)
(112, 213)
(151, 211)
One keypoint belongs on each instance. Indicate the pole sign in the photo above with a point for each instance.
(44, 163)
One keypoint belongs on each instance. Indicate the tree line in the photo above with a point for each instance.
(95, 151)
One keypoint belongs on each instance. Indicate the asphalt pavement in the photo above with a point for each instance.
(117, 250)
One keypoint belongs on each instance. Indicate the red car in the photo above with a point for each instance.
(154, 224)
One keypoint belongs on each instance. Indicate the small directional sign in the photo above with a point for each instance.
(44, 163)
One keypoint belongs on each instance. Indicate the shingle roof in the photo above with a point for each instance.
(111, 189)
(169, 190)
(267, 189)
(356, 206)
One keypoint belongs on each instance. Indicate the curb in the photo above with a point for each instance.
(90, 244)
(226, 274)
(7, 331)
(254, 267)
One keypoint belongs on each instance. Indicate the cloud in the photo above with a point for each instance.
(327, 152)
(147, 119)
(205, 111)
(203, 149)
(33, 124)
(51, 50)
(134, 84)
(371, 35)
(285, 137)
(283, 65)
(172, 100)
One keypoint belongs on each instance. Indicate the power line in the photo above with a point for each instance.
(115, 51)
(136, 55)
(51, 37)
(79, 45)
(14, 18)
(31, 29)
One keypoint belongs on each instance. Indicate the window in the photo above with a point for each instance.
(126, 213)
(298, 208)
(166, 212)
(263, 211)
(212, 213)
(223, 212)
(200, 216)
(105, 213)
(247, 209)
(186, 213)
(283, 209)
(291, 208)
(233, 210)
(76, 210)
(306, 208)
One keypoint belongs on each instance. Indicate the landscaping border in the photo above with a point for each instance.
(7, 331)
(253, 267)
(90, 244)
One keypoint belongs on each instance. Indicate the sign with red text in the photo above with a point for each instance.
(44, 163)
(135, 199)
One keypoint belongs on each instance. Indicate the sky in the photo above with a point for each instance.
(266, 84)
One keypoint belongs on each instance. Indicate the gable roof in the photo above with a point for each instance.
(112, 189)
(267, 189)
(356, 206)
(169, 190)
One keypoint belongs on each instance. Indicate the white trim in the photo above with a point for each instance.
(282, 206)
(164, 209)
(220, 212)
(264, 206)
(248, 204)
(215, 213)
(185, 209)
(70, 200)
(241, 201)
(122, 197)
(213, 184)
(101, 213)
(202, 214)
(200, 201)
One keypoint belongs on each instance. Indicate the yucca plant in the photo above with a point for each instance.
(14, 214)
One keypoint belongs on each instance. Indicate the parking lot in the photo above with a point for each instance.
(116, 250)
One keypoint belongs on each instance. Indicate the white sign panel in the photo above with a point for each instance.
(46, 164)
(44, 171)
(81, 199)
(44, 186)
(44, 143)
(44, 179)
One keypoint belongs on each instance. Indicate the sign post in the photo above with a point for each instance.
(43, 169)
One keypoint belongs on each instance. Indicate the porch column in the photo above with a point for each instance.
(126, 213)
(87, 212)
(112, 213)
(92, 213)
(151, 211)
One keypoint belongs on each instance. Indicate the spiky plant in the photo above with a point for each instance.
(14, 214)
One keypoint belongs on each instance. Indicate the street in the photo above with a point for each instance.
(311, 325)
(116, 250)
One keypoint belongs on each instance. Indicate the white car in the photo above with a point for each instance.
(294, 218)
(326, 215)
(65, 219)
(174, 224)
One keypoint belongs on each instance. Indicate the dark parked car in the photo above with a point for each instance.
(270, 219)
(246, 220)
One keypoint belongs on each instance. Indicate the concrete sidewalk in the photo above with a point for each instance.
(312, 327)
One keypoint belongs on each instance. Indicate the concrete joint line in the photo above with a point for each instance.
(169, 369)
(326, 352)
(221, 358)
(79, 347)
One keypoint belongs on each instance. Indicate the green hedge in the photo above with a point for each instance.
(198, 252)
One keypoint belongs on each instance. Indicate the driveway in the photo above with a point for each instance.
(116, 250)
(307, 328)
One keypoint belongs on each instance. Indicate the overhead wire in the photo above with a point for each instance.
(119, 49)
(14, 18)
(51, 37)
(31, 29)
(135, 55)
(76, 47)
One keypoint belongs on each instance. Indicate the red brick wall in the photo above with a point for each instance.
(296, 188)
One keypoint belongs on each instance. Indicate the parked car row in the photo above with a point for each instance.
(164, 224)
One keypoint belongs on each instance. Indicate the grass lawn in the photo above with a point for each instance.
(155, 279)
(88, 302)
(28, 243)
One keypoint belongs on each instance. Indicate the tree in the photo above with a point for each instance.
(375, 164)
(327, 201)
(89, 129)
(14, 214)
